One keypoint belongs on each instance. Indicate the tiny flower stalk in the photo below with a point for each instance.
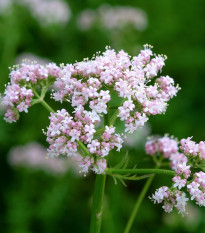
(40, 99)
(48, 107)
(115, 114)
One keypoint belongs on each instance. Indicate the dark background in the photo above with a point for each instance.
(35, 202)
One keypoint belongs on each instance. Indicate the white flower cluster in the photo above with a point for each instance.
(113, 17)
(47, 12)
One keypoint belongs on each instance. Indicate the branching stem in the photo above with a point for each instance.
(111, 171)
(49, 108)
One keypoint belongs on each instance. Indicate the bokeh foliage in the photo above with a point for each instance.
(36, 202)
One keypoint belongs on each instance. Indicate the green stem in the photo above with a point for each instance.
(48, 107)
(114, 116)
(96, 216)
(138, 203)
(42, 101)
(111, 171)
(144, 191)
(109, 121)
(83, 148)
(43, 91)
(99, 131)
(106, 119)
(35, 92)
(132, 177)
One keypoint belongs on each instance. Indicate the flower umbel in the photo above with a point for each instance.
(89, 86)
(184, 165)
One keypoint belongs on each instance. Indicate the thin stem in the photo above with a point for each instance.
(106, 119)
(138, 203)
(43, 91)
(109, 121)
(132, 177)
(143, 193)
(35, 93)
(42, 101)
(83, 148)
(81, 145)
(48, 107)
(114, 116)
(111, 171)
(100, 131)
(155, 159)
(96, 216)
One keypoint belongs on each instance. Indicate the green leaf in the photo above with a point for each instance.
(132, 177)
(122, 181)
(123, 162)
(115, 180)
(121, 178)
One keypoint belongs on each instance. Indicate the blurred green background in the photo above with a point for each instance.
(33, 201)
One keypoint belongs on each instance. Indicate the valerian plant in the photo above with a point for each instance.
(90, 132)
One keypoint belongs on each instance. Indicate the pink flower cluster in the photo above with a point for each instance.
(191, 148)
(17, 99)
(33, 73)
(89, 86)
(34, 156)
(83, 82)
(181, 163)
(164, 145)
(65, 131)
(18, 94)
(196, 188)
(98, 167)
(170, 199)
